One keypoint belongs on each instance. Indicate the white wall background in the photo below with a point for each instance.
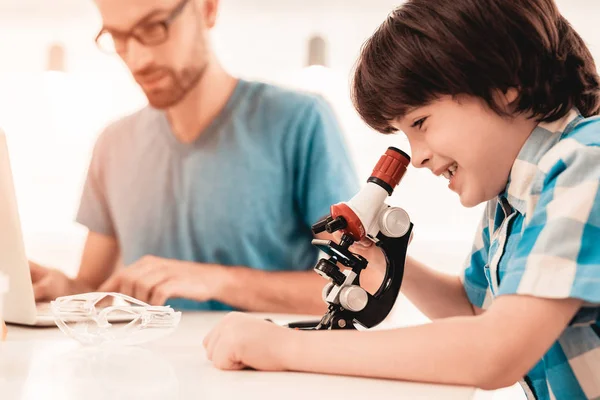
(52, 120)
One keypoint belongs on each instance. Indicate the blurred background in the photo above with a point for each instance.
(58, 91)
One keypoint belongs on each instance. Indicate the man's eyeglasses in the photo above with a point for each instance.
(146, 33)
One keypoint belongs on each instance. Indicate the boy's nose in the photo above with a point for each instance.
(420, 157)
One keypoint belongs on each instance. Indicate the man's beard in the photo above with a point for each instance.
(179, 85)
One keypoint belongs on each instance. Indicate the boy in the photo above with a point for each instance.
(499, 97)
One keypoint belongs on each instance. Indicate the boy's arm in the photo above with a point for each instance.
(436, 294)
(439, 295)
(490, 351)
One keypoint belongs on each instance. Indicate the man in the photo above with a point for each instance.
(206, 195)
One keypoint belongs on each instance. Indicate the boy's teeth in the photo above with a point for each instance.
(449, 173)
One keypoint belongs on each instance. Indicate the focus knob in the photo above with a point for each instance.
(353, 298)
(326, 290)
(328, 269)
(394, 222)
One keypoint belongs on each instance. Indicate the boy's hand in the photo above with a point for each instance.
(240, 341)
(368, 250)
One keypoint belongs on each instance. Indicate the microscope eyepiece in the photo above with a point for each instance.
(390, 169)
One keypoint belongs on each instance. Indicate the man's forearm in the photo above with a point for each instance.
(80, 285)
(436, 294)
(98, 261)
(279, 292)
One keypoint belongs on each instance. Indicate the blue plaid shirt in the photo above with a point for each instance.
(541, 237)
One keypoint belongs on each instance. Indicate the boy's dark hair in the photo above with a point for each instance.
(429, 48)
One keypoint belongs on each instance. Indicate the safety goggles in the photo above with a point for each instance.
(97, 318)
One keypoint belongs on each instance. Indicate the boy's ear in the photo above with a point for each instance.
(511, 95)
(506, 99)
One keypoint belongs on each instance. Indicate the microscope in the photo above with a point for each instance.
(365, 216)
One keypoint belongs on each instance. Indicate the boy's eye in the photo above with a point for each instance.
(418, 123)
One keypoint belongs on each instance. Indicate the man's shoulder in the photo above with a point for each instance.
(126, 126)
(285, 100)
(129, 122)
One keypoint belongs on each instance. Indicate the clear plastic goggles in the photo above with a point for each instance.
(97, 318)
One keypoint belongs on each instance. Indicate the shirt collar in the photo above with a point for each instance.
(542, 138)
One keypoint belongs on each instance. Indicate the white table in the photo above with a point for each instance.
(43, 363)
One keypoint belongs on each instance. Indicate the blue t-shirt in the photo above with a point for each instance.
(246, 192)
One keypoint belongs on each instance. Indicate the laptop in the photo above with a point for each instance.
(19, 303)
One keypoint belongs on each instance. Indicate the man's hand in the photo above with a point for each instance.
(240, 341)
(48, 284)
(154, 280)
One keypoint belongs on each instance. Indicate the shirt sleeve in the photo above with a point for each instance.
(558, 255)
(324, 174)
(94, 212)
(474, 277)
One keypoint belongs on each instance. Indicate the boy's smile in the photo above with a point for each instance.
(466, 142)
